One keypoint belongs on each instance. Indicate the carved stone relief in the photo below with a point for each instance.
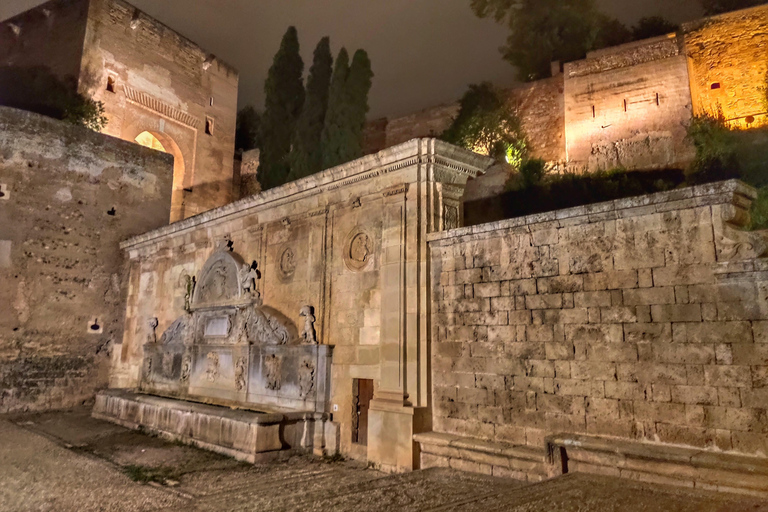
(152, 335)
(286, 265)
(272, 368)
(186, 368)
(212, 372)
(220, 279)
(308, 333)
(358, 250)
(177, 332)
(306, 378)
(450, 216)
(240, 370)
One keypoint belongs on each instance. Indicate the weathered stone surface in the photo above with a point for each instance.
(73, 196)
(663, 350)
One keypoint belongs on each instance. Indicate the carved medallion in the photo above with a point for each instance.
(272, 368)
(358, 251)
(286, 265)
(212, 373)
(306, 379)
(240, 373)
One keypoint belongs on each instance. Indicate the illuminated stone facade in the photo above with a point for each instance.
(628, 106)
(151, 80)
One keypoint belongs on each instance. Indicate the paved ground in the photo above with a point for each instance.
(67, 462)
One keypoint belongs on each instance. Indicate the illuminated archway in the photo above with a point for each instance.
(162, 142)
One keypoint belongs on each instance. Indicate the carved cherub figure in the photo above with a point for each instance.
(248, 277)
(308, 333)
(152, 335)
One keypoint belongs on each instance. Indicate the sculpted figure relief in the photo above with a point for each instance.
(240, 373)
(152, 335)
(308, 333)
(306, 379)
(358, 250)
(272, 368)
(188, 284)
(287, 263)
(186, 368)
(212, 373)
(248, 276)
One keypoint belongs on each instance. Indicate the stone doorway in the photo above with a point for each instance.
(362, 391)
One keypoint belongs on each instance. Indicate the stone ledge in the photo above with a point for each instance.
(478, 456)
(676, 465)
(724, 192)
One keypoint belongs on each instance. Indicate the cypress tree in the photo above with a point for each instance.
(333, 135)
(306, 154)
(284, 91)
(358, 86)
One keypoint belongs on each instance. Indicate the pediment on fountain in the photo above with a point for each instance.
(219, 282)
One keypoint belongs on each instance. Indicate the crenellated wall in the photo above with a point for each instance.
(637, 320)
(68, 196)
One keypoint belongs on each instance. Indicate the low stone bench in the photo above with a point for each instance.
(477, 456)
(664, 464)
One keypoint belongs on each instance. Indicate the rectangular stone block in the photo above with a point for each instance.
(676, 313)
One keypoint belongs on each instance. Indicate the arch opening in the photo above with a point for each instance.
(162, 142)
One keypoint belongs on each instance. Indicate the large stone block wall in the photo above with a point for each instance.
(628, 107)
(159, 82)
(68, 196)
(729, 66)
(644, 319)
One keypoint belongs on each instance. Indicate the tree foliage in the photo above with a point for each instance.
(545, 31)
(486, 123)
(333, 136)
(38, 90)
(653, 26)
(358, 87)
(247, 131)
(306, 154)
(720, 6)
(284, 90)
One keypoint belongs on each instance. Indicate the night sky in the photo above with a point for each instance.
(424, 52)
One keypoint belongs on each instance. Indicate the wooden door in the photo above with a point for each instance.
(363, 393)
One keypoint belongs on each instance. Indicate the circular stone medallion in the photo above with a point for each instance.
(358, 250)
(286, 265)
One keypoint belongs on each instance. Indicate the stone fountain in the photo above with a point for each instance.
(231, 374)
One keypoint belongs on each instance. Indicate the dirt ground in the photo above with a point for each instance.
(68, 461)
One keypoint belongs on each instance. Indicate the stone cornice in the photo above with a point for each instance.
(433, 152)
(724, 192)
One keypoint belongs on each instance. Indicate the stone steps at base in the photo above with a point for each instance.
(478, 456)
(674, 465)
(644, 462)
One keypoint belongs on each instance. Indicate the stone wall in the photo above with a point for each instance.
(68, 196)
(643, 319)
(628, 107)
(728, 65)
(149, 78)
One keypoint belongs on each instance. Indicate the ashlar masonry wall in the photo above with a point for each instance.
(644, 319)
(68, 196)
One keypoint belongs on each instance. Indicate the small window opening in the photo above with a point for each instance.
(625, 105)
(594, 113)
(210, 102)
(715, 86)
(208, 126)
(658, 101)
(111, 83)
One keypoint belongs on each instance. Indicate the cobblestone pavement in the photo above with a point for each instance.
(62, 462)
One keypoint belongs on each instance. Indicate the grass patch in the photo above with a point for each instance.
(145, 475)
(759, 213)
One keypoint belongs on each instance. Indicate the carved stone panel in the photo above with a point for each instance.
(286, 264)
(272, 368)
(358, 250)
(220, 280)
